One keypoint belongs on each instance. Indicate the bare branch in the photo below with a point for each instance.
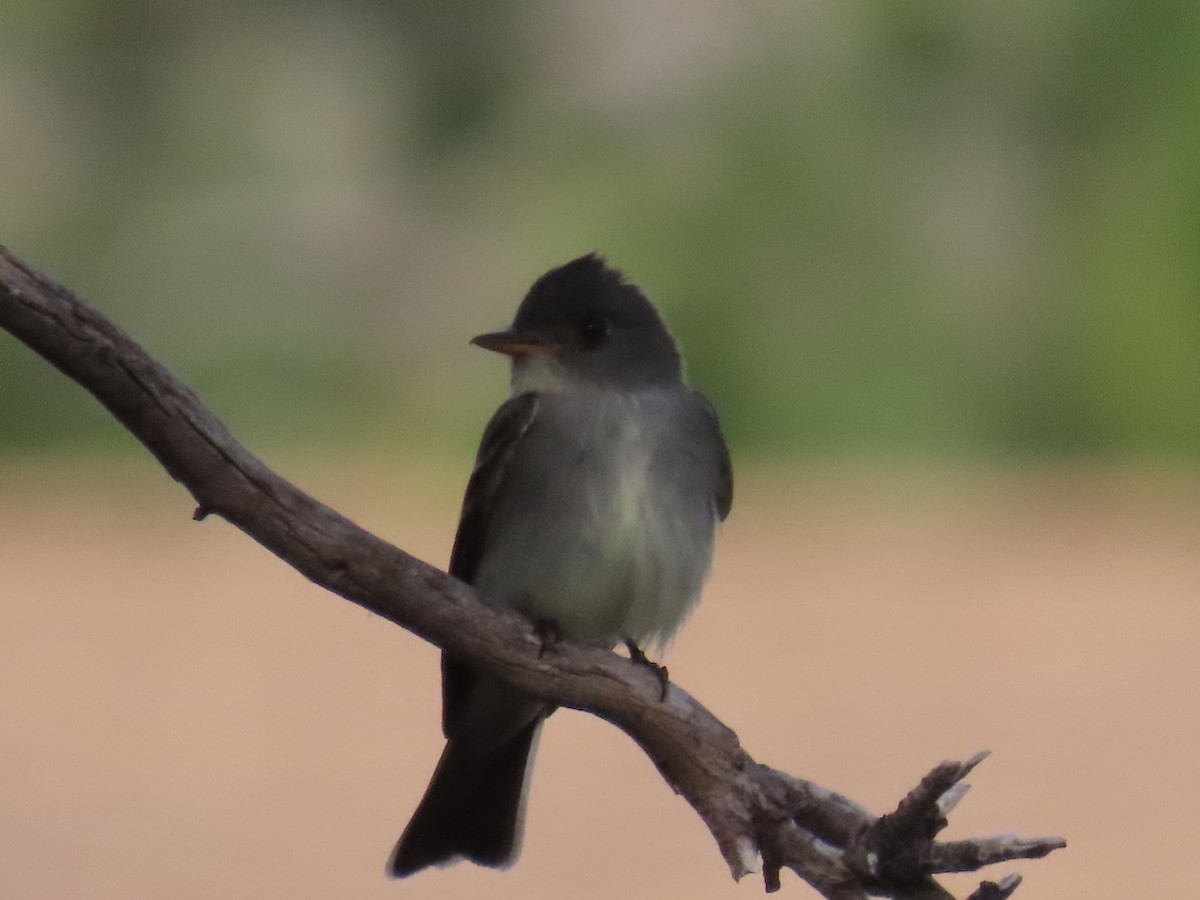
(754, 812)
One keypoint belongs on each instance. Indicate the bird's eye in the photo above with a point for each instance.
(593, 330)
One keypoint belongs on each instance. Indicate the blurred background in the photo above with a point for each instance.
(936, 264)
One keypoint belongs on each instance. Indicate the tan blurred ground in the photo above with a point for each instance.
(182, 716)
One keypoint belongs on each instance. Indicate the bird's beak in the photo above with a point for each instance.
(510, 343)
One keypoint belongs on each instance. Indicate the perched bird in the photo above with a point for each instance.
(591, 509)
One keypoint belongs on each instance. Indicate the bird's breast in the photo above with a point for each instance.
(618, 541)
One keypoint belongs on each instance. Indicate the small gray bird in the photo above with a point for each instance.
(591, 509)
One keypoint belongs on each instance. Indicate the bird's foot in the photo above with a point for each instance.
(548, 633)
(639, 657)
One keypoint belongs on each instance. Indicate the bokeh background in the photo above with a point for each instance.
(936, 264)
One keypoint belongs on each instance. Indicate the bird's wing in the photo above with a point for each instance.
(723, 487)
(500, 439)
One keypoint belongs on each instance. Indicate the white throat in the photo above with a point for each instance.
(538, 374)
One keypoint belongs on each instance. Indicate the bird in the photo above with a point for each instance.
(592, 509)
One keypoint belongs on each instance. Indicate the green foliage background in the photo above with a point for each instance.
(886, 229)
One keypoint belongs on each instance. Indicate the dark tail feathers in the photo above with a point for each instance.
(473, 808)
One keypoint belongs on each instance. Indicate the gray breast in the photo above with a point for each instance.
(607, 525)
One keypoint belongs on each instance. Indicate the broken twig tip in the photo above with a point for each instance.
(949, 800)
(976, 760)
(745, 859)
(748, 856)
(997, 890)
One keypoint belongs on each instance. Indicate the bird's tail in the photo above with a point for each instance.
(474, 807)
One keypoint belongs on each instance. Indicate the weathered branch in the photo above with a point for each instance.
(754, 812)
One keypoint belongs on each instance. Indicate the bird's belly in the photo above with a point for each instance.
(630, 567)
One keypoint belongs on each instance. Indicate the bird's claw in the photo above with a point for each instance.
(548, 634)
(638, 656)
